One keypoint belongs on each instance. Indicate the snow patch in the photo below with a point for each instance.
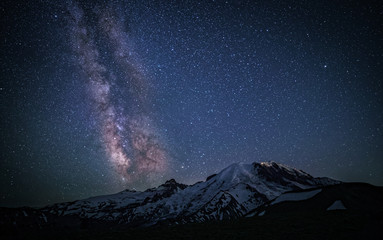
(45, 218)
(299, 196)
(337, 205)
(262, 213)
(251, 214)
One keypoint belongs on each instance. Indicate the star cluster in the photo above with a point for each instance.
(99, 97)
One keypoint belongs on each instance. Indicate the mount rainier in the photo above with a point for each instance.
(232, 193)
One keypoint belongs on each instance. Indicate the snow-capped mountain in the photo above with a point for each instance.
(234, 192)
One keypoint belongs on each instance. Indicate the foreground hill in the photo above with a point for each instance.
(360, 198)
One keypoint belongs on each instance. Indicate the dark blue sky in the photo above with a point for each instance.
(299, 83)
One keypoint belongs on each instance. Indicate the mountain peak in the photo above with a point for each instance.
(171, 181)
(270, 164)
(172, 184)
(268, 173)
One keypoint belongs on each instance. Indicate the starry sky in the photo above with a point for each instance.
(103, 96)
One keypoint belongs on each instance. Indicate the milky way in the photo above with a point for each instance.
(131, 141)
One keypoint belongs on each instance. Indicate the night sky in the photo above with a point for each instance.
(97, 98)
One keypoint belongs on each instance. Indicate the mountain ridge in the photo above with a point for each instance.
(232, 193)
